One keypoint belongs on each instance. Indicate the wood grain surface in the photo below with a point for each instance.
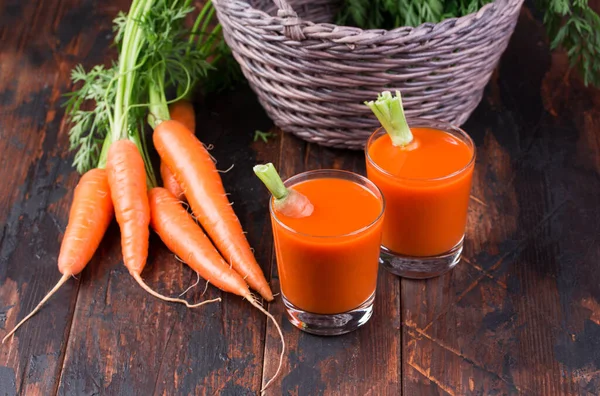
(519, 315)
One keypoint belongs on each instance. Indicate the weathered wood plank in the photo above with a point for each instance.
(40, 43)
(366, 361)
(520, 314)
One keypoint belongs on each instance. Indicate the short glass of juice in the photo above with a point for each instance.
(427, 186)
(328, 261)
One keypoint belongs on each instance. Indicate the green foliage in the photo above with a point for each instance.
(226, 73)
(390, 14)
(167, 48)
(163, 58)
(571, 24)
(575, 27)
(90, 127)
(264, 136)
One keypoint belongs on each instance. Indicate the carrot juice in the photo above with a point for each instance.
(328, 261)
(427, 187)
(424, 170)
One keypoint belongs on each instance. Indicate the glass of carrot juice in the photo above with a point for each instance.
(426, 184)
(328, 261)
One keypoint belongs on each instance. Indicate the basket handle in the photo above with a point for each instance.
(291, 23)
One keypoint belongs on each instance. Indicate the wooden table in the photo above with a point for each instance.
(519, 315)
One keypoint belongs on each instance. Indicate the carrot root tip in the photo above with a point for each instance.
(226, 170)
(147, 288)
(205, 288)
(256, 304)
(193, 285)
(61, 281)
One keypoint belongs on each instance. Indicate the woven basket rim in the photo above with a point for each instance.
(308, 75)
(465, 20)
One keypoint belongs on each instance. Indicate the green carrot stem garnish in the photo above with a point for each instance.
(390, 113)
(289, 202)
(269, 176)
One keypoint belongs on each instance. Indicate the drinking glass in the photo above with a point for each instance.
(328, 282)
(425, 218)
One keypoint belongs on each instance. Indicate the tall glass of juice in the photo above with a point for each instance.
(427, 187)
(328, 261)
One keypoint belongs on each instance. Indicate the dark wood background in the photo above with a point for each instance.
(519, 315)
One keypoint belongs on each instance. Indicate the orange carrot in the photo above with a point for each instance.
(195, 171)
(170, 183)
(181, 234)
(186, 239)
(91, 213)
(127, 180)
(183, 111)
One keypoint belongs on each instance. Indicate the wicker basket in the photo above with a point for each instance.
(313, 77)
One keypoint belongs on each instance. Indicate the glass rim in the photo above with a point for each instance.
(416, 122)
(294, 180)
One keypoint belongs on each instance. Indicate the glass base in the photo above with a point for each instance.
(329, 324)
(420, 267)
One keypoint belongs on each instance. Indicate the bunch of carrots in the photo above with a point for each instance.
(156, 53)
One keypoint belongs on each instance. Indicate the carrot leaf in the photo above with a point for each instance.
(264, 136)
(89, 128)
(170, 61)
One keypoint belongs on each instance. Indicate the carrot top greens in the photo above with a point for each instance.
(157, 53)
